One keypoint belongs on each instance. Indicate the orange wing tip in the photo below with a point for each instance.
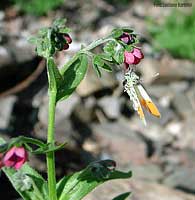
(141, 115)
(152, 109)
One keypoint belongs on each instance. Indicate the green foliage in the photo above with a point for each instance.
(62, 83)
(27, 142)
(51, 39)
(27, 182)
(176, 34)
(122, 196)
(79, 184)
(31, 185)
(72, 73)
(37, 7)
(116, 2)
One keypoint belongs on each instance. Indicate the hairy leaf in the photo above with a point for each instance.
(79, 184)
(72, 74)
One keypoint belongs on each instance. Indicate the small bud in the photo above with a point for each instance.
(66, 46)
(67, 38)
(15, 157)
(127, 38)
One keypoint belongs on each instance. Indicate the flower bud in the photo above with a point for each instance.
(133, 57)
(67, 38)
(127, 38)
(15, 157)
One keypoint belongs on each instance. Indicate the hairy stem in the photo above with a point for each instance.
(50, 139)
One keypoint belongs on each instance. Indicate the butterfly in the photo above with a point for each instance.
(139, 96)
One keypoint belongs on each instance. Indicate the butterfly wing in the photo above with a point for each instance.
(146, 101)
(136, 102)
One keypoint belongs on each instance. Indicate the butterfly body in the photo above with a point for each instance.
(139, 96)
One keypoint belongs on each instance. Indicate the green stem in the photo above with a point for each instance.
(50, 139)
(97, 43)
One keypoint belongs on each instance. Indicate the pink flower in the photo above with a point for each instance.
(68, 41)
(127, 38)
(1, 162)
(15, 157)
(133, 57)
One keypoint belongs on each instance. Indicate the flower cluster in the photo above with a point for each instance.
(133, 57)
(14, 157)
(61, 41)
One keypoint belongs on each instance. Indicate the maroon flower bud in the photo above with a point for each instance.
(133, 57)
(66, 46)
(67, 38)
(127, 38)
(15, 157)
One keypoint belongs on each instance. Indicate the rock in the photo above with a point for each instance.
(182, 178)
(174, 128)
(160, 91)
(166, 114)
(182, 104)
(191, 95)
(63, 109)
(121, 143)
(5, 56)
(148, 172)
(6, 105)
(111, 106)
(186, 137)
(179, 86)
(172, 158)
(149, 70)
(89, 14)
(2, 15)
(14, 26)
(140, 191)
(91, 83)
(153, 132)
(174, 70)
(84, 111)
(22, 50)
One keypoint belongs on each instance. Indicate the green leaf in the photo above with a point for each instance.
(119, 54)
(106, 67)
(4, 147)
(106, 57)
(61, 22)
(49, 148)
(37, 191)
(127, 29)
(109, 47)
(54, 76)
(97, 60)
(72, 74)
(38, 183)
(20, 141)
(97, 70)
(116, 33)
(64, 30)
(129, 48)
(122, 196)
(81, 183)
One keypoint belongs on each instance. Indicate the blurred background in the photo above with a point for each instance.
(98, 120)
